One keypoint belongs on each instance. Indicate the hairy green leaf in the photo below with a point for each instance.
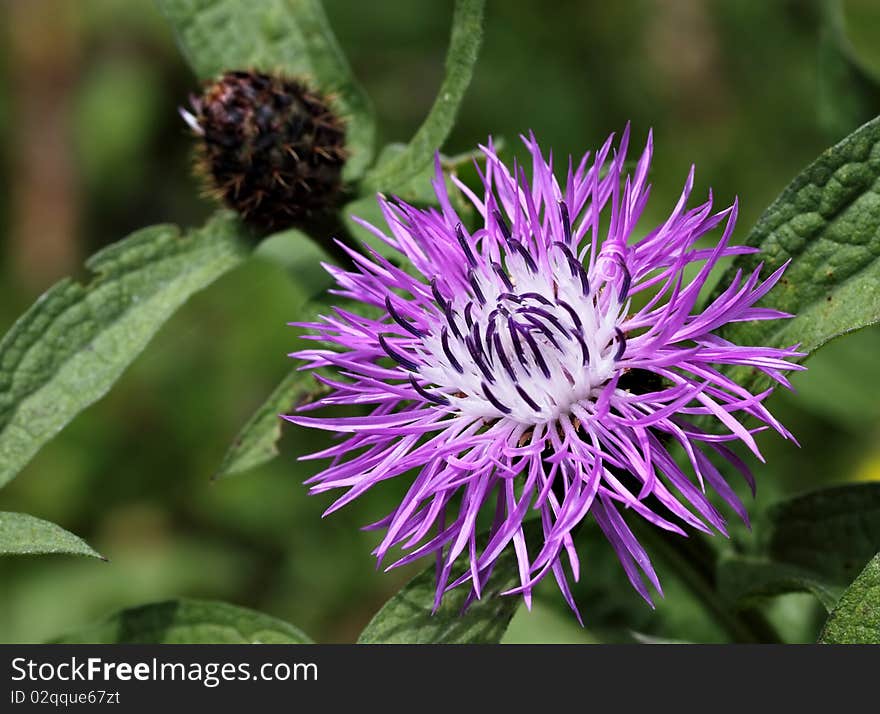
(292, 36)
(399, 167)
(195, 622)
(848, 93)
(257, 442)
(407, 618)
(827, 222)
(21, 534)
(856, 619)
(68, 349)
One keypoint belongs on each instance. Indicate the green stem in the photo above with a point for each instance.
(326, 230)
(694, 562)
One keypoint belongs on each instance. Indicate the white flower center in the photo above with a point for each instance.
(525, 342)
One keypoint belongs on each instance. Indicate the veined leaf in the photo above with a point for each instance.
(293, 36)
(21, 534)
(68, 349)
(195, 622)
(827, 222)
(399, 167)
(856, 619)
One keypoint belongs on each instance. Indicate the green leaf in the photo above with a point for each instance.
(195, 622)
(828, 223)
(746, 581)
(832, 532)
(407, 619)
(856, 619)
(68, 349)
(814, 543)
(464, 45)
(292, 36)
(21, 534)
(257, 442)
(848, 93)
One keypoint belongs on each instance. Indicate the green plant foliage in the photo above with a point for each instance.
(105, 150)
(827, 222)
(856, 619)
(21, 534)
(257, 442)
(814, 543)
(407, 617)
(399, 167)
(71, 346)
(194, 622)
(747, 581)
(832, 532)
(293, 36)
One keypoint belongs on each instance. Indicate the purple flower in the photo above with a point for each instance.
(550, 360)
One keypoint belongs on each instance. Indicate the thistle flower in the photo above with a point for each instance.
(549, 360)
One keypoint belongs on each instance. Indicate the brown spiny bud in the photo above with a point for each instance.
(271, 148)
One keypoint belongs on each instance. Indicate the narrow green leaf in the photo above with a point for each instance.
(827, 222)
(68, 349)
(848, 93)
(293, 36)
(195, 622)
(856, 619)
(832, 532)
(464, 45)
(746, 581)
(407, 619)
(21, 534)
(257, 442)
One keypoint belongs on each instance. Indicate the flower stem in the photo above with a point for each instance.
(328, 230)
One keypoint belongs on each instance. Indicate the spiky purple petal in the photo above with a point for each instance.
(502, 372)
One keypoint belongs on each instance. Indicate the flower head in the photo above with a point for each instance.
(269, 147)
(549, 360)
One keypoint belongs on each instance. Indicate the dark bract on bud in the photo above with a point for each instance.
(271, 148)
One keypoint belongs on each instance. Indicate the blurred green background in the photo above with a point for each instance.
(91, 148)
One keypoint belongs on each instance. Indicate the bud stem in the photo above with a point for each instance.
(328, 231)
